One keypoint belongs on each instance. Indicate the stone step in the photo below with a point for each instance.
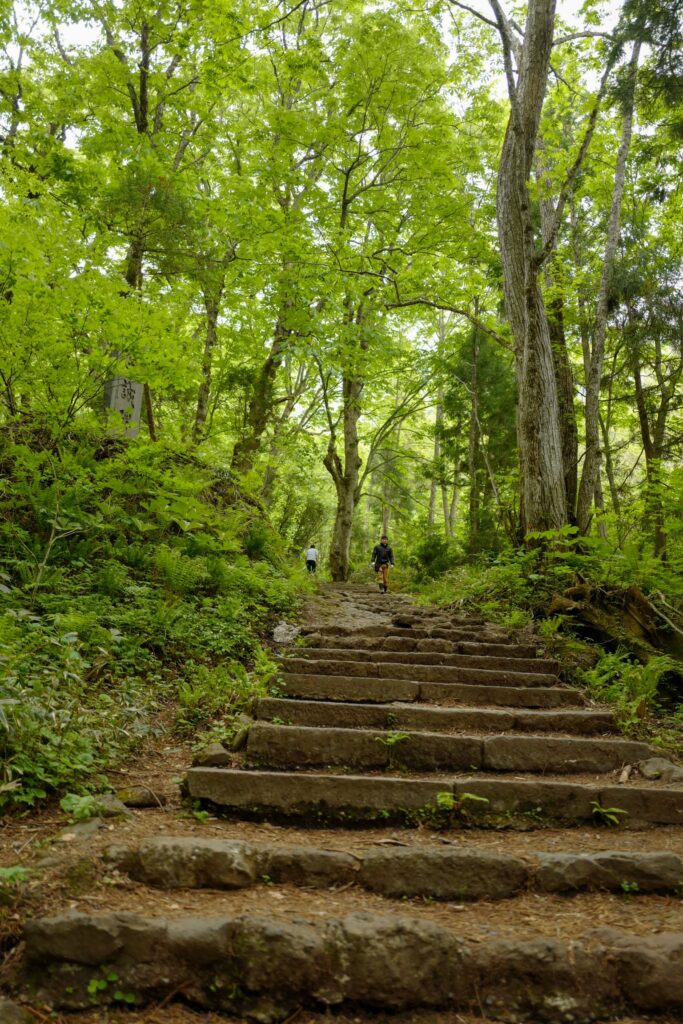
(385, 691)
(427, 658)
(296, 746)
(416, 673)
(435, 617)
(432, 719)
(478, 800)
(503, 696)
(183, 862)
(404, 643)
(266, 969)
(477, 634)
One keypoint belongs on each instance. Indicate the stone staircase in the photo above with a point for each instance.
(502, 781)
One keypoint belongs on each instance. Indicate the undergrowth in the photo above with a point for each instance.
(134, 578)
(517, 589)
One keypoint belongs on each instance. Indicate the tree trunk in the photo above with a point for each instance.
(473, 446)
(260, 408)
(447, 505)
(593, 458)
(543, 497)
(569, 434)
(438, 424)
(652, 446)
(609, 469)
(212, 300)
(453, 509)
(346, 478)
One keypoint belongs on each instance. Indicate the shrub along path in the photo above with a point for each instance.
(425, 823)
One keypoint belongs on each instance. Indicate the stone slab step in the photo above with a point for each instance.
(427, 658)
(435, 617)
(255, 967)
(417, 673)
(432, 719)
(405, 644)
(384, 691)
(292, 746)
(358, 799)
(185, 862)
(468, 634)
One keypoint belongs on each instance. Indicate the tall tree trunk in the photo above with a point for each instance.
(260, 407)
(593, 458)
(212, 302)
(473, 445)
(609, 469)
(652, 446)
(346, 478)
(569, 432)
(543, 497)
(438, 425)
(564, 378)
(453, 508)
(446, 504)
(133, 274)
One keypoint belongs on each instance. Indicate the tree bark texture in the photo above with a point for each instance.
(438, 426)
(569, 434)
(346, 478)
(593, 457)
(212, 302)
(260, 408)
(543, 498)
(474, 436)
(653, 447)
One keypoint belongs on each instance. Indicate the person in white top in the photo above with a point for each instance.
(312, 557)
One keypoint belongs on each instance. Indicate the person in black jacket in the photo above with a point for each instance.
(382, 558)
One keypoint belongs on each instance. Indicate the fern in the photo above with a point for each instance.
(180, 573)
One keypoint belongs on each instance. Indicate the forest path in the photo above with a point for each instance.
(410, 833)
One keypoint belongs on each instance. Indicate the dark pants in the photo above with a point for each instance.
(310, 564)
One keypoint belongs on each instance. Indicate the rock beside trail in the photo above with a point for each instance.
(212, 756)
(660, 768)
(12, 1013)
(141, 796)
(285, 632)
(109, 806)
(265, 969)
(80, 830)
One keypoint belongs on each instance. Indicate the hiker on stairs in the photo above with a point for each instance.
(382, 558)
(311, 557)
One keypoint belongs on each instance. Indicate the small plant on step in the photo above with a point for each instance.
(392, 741)
(609, 816)
(629, 888)
(450, 807)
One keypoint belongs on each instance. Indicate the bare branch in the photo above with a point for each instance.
(582, 35)
(448, 308)
(510, 46)
(60, 47)
(477, 14)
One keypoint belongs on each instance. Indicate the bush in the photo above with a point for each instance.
(128, 585)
